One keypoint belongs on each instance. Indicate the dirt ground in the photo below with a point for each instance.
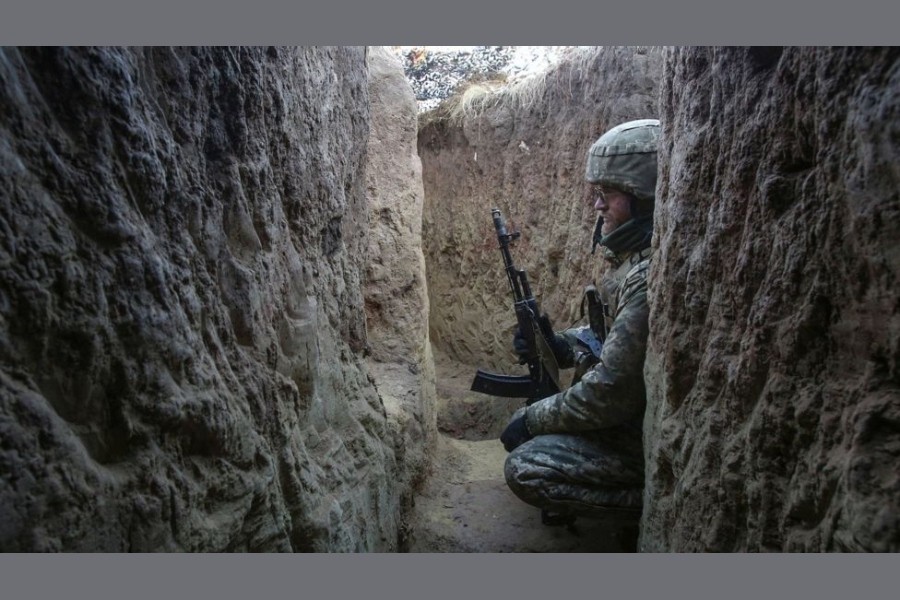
(465, 505)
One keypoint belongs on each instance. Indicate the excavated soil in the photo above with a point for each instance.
(465, 505)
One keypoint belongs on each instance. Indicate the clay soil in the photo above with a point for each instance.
(465, 505)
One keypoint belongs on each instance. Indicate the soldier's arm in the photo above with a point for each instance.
(612, 392)
(570, 337)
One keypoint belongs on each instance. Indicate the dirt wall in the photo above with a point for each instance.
(182, 324)
(774, 396)
(396, 298)
(522, 152)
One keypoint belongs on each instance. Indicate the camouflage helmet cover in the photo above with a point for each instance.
(625, 158)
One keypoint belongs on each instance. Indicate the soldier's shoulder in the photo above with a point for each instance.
(640, 268)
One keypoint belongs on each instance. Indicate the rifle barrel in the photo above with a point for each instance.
(504, 239)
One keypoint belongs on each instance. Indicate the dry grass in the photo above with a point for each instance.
(474, 98)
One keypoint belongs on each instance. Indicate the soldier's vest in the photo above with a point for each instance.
(602, 305)
(611, 289)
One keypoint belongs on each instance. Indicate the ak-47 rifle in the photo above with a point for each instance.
(543, 372)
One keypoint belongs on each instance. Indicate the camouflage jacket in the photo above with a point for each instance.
(611, 393)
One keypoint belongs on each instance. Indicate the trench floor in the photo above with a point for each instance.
(465, 505)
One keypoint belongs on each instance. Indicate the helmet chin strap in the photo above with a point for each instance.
(634, 234)
(598, 235)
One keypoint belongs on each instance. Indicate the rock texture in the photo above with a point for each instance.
(182, 326)
(522, 151)
(774, 416)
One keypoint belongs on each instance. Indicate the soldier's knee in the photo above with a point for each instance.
(516, 468)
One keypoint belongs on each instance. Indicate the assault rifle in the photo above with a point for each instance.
(543, 372)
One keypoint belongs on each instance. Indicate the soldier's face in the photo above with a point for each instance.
(613, 205)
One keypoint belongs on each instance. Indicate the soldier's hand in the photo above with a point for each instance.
(516, 432)
(520, 345)
(562, 351)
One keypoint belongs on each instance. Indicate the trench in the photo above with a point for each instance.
(464, 504)
(182, 343)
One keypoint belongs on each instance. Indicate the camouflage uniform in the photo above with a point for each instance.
(601, 466)
(585, 453)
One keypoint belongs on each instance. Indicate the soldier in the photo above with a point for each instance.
(579, 452)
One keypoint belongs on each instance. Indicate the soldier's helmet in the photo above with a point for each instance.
(625, 158)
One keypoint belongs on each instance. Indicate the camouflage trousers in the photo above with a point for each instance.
(581, 474)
